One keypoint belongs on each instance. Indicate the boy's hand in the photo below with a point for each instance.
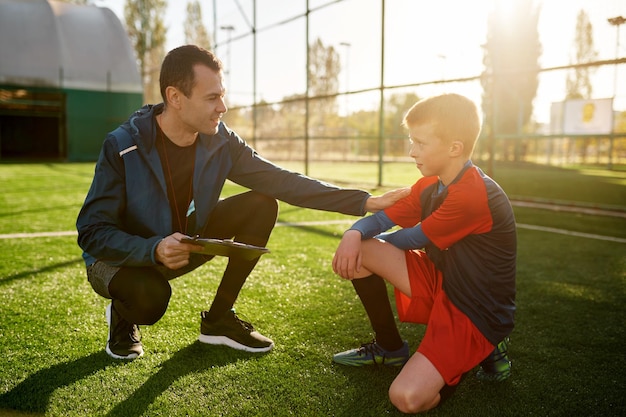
(172, 253)
(377, 203)
(347, 259)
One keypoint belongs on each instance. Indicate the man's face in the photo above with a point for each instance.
(205, 106)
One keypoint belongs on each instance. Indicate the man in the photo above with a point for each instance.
(158, 179)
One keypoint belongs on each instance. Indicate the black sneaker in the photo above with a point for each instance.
(496, 366)
(124, 337)
(233, 332)
(373, 354)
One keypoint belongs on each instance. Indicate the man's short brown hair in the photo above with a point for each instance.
(177, 68)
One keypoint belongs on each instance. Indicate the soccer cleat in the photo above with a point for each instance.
(124, 340)
(496, 366)
(231, 331)
(373, 354)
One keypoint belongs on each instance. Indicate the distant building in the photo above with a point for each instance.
(68, 75)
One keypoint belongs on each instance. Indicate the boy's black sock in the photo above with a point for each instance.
(372, 291)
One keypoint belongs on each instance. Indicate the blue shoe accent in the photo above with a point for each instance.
(373, 354)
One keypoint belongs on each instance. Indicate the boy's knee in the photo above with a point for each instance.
(409, 400)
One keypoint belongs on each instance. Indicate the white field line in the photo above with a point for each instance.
(38, 234)
(348, 221)
(570, 233)
(572, 209)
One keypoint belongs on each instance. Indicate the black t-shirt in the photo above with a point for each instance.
(178, 166)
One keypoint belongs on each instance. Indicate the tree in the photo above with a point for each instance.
(195, 31)
(395, 109)
(146, 30)
(578, 82)
(511, 58)
(324, 68)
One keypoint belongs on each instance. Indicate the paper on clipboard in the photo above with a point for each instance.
(227, 248)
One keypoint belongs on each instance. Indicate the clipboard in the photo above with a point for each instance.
(228, 248)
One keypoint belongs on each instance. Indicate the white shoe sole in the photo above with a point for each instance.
(225, 341)
(114, 356)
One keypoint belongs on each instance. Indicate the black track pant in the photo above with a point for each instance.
(141, 294)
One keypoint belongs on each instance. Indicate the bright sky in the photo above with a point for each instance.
(425, 41)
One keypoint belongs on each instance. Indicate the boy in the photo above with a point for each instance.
(461, 285)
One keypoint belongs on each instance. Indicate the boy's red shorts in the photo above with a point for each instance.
(451, 342)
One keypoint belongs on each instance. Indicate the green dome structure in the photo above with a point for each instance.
(68, 75)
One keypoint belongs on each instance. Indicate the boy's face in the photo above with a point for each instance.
(430, 153)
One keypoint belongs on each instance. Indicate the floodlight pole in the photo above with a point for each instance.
(254, 75)
(381, 112)
(228, 29)
(307, 118)
(617, 22)
(346, 99)
(443, 59)
(347, 46)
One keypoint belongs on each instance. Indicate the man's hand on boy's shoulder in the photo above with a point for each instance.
(377, 203)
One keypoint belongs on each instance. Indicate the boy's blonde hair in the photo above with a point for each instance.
(453, 116)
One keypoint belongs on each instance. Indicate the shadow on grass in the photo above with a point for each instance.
(25, 274)
(33, 393)
(315, 230)
(192, 359)
(46, 209)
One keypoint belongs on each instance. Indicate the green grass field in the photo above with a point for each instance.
(567, 348)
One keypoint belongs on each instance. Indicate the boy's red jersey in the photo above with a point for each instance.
(471, 227)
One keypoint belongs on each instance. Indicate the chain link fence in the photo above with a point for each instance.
(363, 123)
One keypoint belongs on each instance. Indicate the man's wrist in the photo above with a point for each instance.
(154, 254)
(370, 204)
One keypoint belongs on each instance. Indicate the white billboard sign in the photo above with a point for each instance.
(587, 116)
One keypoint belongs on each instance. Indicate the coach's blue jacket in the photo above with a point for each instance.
(126, 212)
